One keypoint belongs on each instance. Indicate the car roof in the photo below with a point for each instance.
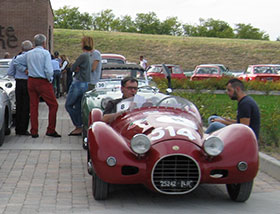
(211, 65)
(163, 63)
(5, 61)
(122, 66)
(265, 65)
(112, 55)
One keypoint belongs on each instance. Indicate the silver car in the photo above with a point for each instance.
(5, 116)
(8, 84)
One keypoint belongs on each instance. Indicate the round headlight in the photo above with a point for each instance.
(213, 146)
(9, 85)
(140, 143)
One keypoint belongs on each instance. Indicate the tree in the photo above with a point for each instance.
(171, 26)
(209, 28)
(147, 23)
(124, 24)
(71, 18)
(103, 20)
(244, 31)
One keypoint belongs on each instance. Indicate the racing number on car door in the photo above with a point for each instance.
(160, 132)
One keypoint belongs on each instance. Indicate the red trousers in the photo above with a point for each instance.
(41, 88)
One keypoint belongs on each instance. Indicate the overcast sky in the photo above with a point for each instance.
(262, 14)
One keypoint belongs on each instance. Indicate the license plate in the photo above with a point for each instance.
(177, 183)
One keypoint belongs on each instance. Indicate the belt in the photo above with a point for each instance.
(21, 79)
(41, 78)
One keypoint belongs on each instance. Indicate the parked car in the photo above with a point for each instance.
(109, 87)
(157, 70)
(263, 72)
(8, 84)
(206, 71)
(5, 61)
(113, 58)
(161, 144)
(5, 116)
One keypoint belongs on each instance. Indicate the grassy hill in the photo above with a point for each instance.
(188, 52)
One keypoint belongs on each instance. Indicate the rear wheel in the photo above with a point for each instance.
(100, 189)
(240, 192)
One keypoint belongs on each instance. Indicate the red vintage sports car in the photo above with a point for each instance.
(160, 143)
(264, 72)
(158, 70)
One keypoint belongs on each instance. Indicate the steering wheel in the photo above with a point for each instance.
(164, 99)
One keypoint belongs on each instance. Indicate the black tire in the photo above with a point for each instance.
(240, 192)
(2, 133)
(89, 164)
(100, 189)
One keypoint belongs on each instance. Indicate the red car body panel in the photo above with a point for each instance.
(163, 127)
(178, 74)
(207, 71)
(252, 73)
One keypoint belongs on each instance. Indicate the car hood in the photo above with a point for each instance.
(160, 124)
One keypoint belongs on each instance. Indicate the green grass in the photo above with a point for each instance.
(220, 104)
(188, 52)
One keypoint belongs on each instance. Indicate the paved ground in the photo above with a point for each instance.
(49, 175)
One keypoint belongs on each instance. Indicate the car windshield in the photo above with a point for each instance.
(154, 70)
(111, 60)
(158, 100)
(3, 71)
(207, 70)
(266, 69)
(176, 70)
(115, 84)
(120, 74)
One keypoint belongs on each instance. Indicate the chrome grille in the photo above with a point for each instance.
(176, 174)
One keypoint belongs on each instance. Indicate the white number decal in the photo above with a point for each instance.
(186, 132)
(101, 85)
(159, 133)
(171, 131)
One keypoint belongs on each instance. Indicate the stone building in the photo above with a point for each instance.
(23, 19)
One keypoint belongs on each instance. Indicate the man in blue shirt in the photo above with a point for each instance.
(40, 76)
(22, 97)
(56, 76)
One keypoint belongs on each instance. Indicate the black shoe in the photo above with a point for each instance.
(24, 133)
(55, 134)
(34, 135)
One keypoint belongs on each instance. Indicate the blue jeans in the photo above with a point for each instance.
(56, 82)
(73, 102)
(214, 126)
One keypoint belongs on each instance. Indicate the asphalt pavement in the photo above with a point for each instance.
(49, 175)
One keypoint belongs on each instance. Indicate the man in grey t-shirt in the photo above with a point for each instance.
(96, 68)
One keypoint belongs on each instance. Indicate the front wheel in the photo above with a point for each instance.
(100, 189)
(240, 192)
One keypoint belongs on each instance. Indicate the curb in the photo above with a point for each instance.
(269, 165)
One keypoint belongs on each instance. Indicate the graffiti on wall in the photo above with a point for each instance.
(8, 38)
